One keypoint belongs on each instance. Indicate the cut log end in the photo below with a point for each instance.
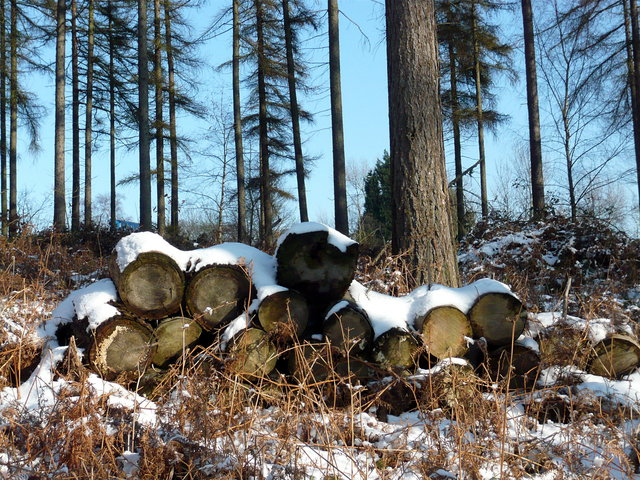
(397, 349)
(445, 331)
(615, 356)
(284, 314)
(498, 317)
(151, 287)
(253, 354)
(174, 336)
(311, 265)
(217, 294)
(349, 329)
(122, 345)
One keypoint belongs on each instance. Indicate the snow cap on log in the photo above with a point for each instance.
(92, 302)
(317, 261)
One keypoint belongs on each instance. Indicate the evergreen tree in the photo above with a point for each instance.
(377, 200)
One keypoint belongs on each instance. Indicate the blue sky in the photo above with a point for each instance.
(364, 84)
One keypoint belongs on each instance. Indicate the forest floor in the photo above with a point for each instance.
(579, 283)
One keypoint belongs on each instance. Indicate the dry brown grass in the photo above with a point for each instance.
(212, 423)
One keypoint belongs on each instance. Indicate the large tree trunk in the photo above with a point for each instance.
(59, 208)
(237, 128)
(635, 40)
(143, 118)
(88, 124)
(535, 144)
(173, 136)
(420, 204)
(13, 122)
(157, 77)
(4, 224)
(337, 131)
(265, 171)
(112, 125)
(484, 200)
(295, 114)
(457, 147)
(75, 122)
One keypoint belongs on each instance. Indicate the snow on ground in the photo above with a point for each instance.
(505, 440)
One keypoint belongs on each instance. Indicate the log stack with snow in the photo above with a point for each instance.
(302, 303)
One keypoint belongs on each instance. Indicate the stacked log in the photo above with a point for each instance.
(301, 312)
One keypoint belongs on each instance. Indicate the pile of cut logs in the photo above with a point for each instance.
(300, 310)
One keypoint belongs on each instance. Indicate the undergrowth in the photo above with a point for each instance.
(208, 422)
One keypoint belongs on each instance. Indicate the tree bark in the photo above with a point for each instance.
(173, 135)
(13, 122)
(457, 147)
(535, 144)
(75, 122)
(295, 114)
(4, 223)
(265, 171)
(152, 286)
(59, 200)
(635, 40)
(420, 203)
(88, 124)
(217, 294)
(159, 123)
(237, 128)
(112, 124)
(444, 331)
(143, 118)
(337, 131)
(498, 317)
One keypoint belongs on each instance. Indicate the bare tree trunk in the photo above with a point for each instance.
(13, 122)
(75, 122)
(237, 128)
(112, 125)
(265, 171)
(59, 207)
(173, 136)
(484, 201)
(157, 74)
(457, 148)
(295, 114)
(567, 156)
(420, 202)
(143, 118)
(635, 38)
(88, 124)
(337, 131)
(3, 121)
(535, 144)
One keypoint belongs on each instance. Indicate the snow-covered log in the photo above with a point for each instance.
(615, 356)
(285, 313)
(174, 336)
(252, 354)
(397, 349)
(317, 261)
(498, 317)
